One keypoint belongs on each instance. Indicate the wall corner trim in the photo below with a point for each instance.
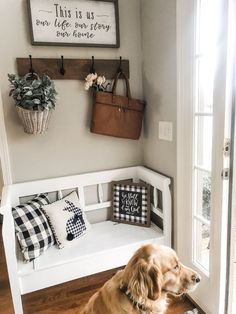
(4, 153)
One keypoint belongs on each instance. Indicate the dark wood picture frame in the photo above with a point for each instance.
(77, 44)
(123, 205)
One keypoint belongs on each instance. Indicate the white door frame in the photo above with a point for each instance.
(231, 269)
(185, 75)
(4, 153)
(185, 61)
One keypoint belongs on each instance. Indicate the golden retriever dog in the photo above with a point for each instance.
(142, 286)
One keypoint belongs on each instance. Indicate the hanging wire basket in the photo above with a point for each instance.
(34, 121)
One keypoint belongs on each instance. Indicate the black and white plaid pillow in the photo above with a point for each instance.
(32, 229)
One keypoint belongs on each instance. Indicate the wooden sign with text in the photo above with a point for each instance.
(131, 203)
(74, 22)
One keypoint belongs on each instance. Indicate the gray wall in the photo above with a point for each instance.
(68, 147)
(1, 180)
(148, 40)
(159, 82)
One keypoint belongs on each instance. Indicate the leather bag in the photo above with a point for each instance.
(115, 115)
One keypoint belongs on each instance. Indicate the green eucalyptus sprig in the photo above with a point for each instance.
(32, 92)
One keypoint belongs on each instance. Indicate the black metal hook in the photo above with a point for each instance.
(62, 69)
(92, 69)
(31, 70)
(120, 66)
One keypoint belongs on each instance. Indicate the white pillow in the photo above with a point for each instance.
(67, 219)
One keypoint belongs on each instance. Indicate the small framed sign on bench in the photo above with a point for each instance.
(131, 203)
(74, 23)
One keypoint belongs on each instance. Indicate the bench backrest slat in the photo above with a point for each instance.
(159, 182)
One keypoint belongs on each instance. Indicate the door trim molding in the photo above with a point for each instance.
(4, 152)
(230, 267)
(184, 113)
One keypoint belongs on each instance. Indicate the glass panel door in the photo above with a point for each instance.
(203, 126)
(205, 62)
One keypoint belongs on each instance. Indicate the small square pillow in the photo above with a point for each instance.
(67, 219)
(32, 229)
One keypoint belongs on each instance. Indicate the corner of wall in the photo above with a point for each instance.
(159, 78)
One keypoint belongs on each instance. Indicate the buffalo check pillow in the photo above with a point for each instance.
(67, 219)
(32, 229)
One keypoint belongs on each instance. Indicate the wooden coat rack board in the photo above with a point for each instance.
(75, 69)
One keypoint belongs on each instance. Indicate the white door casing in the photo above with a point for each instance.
(231, 284)
(4, 153)
(231, 273)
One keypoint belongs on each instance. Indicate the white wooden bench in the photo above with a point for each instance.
(107, 245)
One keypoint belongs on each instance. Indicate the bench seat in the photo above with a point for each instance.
(119, 241)
(103, 236)
(106, 246)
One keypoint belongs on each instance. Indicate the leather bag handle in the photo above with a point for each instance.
(128, 93)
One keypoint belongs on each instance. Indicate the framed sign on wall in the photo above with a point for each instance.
(93, 23)
(131, 203)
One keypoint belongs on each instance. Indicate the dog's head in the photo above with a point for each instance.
(156, 269)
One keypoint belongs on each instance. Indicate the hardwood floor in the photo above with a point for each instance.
(68, 298)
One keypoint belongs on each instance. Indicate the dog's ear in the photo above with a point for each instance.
(145, 281)
(156, 279)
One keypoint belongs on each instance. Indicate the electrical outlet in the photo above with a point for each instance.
(165, 131)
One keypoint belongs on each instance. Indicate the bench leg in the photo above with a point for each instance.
(8, 235)
(17, 303)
